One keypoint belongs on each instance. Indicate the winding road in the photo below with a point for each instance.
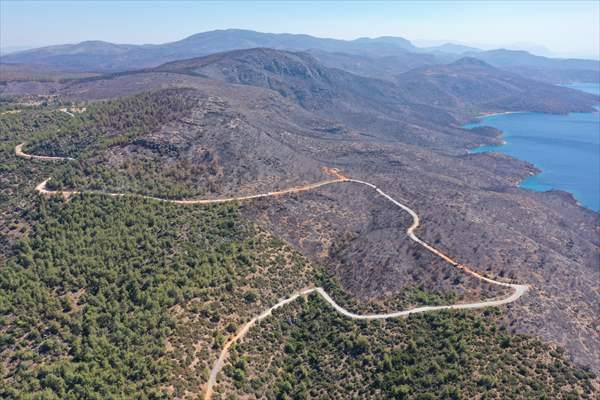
(19, 153)
(518, 289)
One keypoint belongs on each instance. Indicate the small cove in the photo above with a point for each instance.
(566, 148)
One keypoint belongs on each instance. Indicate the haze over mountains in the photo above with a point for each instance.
(378, 57)
(234, 112)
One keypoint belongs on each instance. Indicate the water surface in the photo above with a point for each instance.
(565, 147)
(588, 87)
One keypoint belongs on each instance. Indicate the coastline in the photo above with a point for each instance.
(525, 183)
(493, 114)
(502, 143)
(519, 183)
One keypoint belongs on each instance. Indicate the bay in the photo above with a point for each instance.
(566, 148)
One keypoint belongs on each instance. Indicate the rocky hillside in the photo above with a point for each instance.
(294, 75)
(260, 119)
(463, 88)
(471, 84)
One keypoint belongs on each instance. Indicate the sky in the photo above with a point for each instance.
(566, 28)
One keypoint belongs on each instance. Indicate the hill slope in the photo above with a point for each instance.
(462, 87)
(255, 138)
(477, 86)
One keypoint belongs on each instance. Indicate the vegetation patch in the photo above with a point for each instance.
(18, 177)
(130, 298)
(307, 350)
(101, 285)
(113, 122)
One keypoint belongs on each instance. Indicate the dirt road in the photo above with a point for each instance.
(518, 289)
(19, 153)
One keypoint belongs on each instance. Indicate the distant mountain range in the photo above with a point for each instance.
(466, 85)
(441, 94)
(381, 57)
(255, 120)
(451, 48)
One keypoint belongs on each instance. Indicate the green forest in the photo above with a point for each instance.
(86, 303)
(127, 298)
(113, 122)
(94, 282)
(309, 351)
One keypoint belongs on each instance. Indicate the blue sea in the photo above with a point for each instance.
(566, 148)
(593, 88)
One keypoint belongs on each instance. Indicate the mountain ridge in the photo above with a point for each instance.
(100, 56)
(480, 86)
(472, 84)
(263, 119)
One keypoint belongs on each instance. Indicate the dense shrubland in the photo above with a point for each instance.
(306, 350)
(18, 177)
(109, 124)
(88, 302)
(173, 180)
(113, 122)
(129, 298)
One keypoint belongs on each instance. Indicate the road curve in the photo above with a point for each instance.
(518, 289)
(19, 153)
(218, 365)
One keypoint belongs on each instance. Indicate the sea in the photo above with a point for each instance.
(566, 148)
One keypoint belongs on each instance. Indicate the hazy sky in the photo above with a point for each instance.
(567, 28)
